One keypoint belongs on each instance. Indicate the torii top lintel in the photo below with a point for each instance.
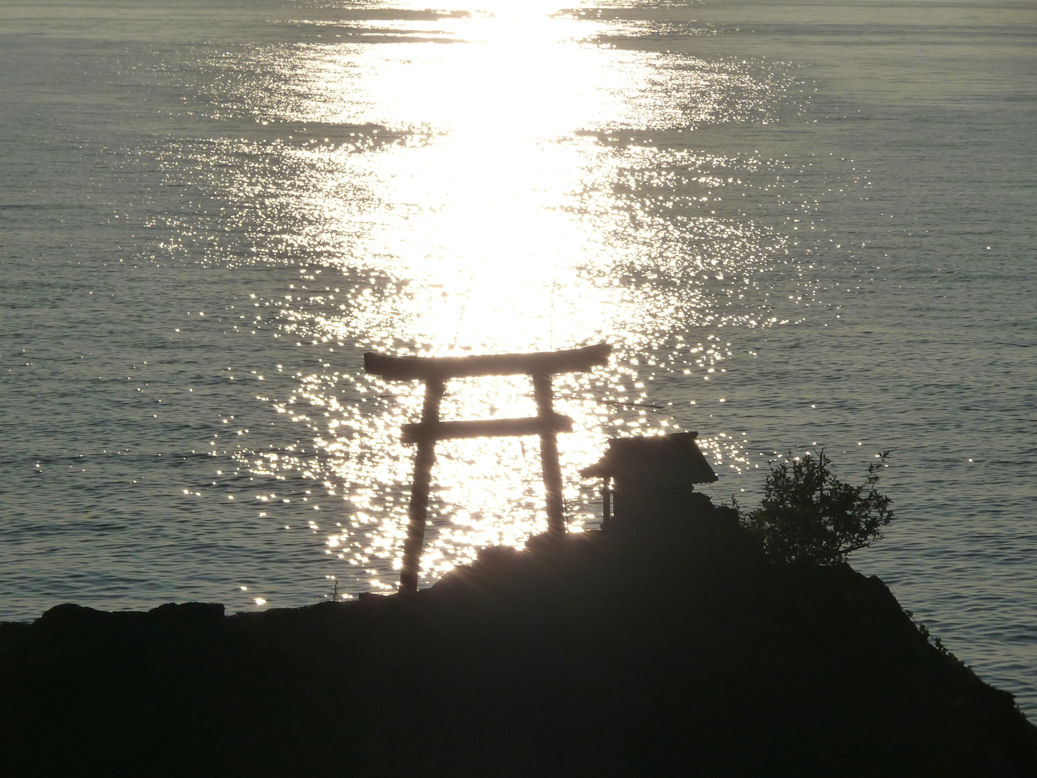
(426, 368)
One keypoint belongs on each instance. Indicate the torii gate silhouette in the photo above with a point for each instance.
(435, 371)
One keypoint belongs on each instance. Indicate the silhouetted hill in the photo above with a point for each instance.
(680, 650)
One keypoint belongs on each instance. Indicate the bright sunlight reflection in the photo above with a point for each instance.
(470, 198)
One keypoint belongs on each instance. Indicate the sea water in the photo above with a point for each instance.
(801, 225)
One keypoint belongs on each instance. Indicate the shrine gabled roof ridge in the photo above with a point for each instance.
(677, 449)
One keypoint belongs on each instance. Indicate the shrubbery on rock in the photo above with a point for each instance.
(807, 515)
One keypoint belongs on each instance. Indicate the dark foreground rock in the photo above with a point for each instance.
(679, 653)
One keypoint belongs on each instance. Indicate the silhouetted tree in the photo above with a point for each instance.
(809, 515)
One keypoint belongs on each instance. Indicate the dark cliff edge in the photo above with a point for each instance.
(677, 650)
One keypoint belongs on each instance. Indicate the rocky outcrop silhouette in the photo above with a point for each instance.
(675, 650)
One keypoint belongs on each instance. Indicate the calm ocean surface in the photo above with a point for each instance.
(801, 225)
